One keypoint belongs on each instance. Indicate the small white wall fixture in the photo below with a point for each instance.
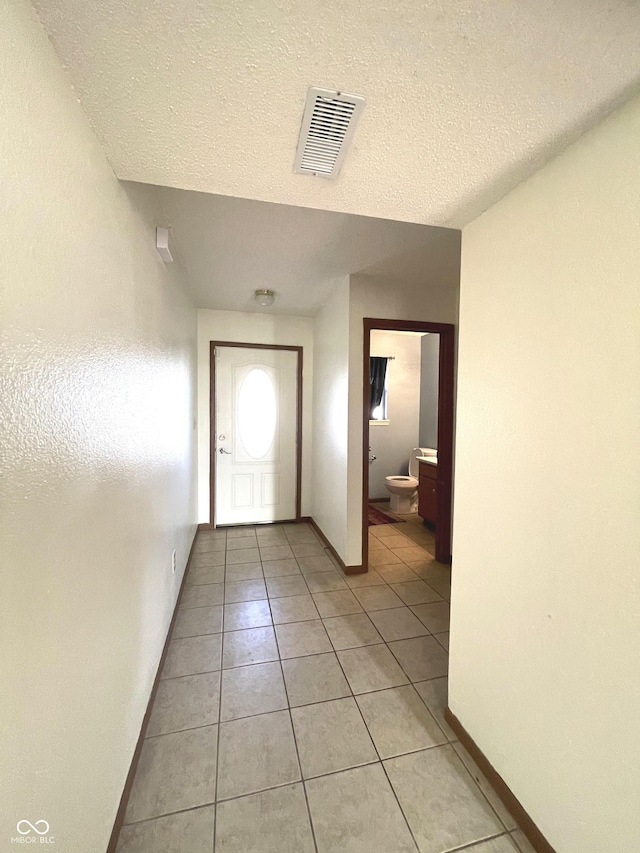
(162, 244)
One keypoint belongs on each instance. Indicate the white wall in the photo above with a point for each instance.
(434, 300)
(252, 328)
(391, 443)
(331, 417)
(545, 627)
(97, 453)
(429, 374)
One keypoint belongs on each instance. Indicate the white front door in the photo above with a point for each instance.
(256, 402)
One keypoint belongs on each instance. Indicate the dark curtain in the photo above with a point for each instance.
(377, 375)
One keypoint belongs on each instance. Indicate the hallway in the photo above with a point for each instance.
(302, 710)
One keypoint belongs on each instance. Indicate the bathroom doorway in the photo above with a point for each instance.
(422, 425)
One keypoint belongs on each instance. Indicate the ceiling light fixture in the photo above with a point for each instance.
(264, 297)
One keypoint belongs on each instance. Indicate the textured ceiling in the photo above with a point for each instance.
(229, 247)
(464, 97)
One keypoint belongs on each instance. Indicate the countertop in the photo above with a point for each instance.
(430, 460)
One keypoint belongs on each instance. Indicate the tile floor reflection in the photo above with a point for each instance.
(300, 710)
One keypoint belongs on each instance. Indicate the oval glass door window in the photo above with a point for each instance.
(257, 413)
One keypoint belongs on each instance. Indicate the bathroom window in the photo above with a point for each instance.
(379, 393)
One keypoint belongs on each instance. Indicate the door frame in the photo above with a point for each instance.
(212, 422)
(446, 378)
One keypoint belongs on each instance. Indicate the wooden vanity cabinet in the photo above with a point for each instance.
(427, 502)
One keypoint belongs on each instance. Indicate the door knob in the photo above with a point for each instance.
(222, 450)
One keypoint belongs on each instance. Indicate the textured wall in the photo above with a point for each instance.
(97, 453)
(429, 369)
(391, 442)
(545, 626)
(464, 97)
(251, 328)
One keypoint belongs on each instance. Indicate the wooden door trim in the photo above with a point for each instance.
(212, 418)
(444, 482)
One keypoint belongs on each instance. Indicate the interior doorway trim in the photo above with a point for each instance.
(444, 480)
(212, 421)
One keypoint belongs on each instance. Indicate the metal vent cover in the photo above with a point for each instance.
(328, 124)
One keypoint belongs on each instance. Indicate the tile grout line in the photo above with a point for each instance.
(446, 743)
(215, 789)
(169, 814)
(260, 791)
(312, 654)
(322, 701)
(273, 626)
(322, 619)
(477, 843)
(295, 740)
(377, 751)
(412, 684)
(468, 769)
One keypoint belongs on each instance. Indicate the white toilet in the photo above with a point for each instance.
(404, 490)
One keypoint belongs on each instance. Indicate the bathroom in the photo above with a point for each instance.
(403, 423)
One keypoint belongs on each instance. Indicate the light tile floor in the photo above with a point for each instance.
(300, 710)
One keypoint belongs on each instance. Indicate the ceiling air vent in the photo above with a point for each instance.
(328, 124)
